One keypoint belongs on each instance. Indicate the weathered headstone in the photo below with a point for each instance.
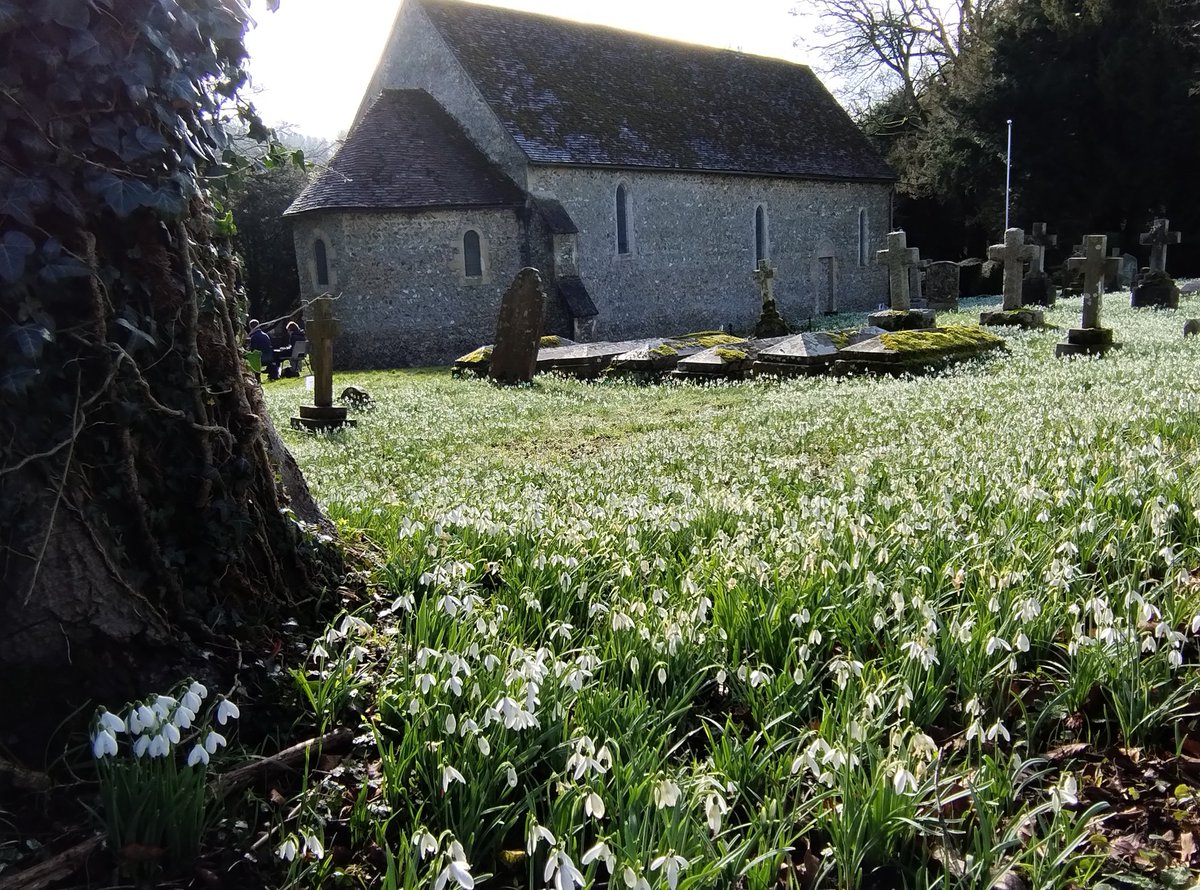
(1039, 236)
(519, 329)
(770, 322)
(900, 259)
(1014, 253)
(1127, 274)
(1091, 337)
(1036, 288)
(321, 329)
(1159, 238)
(942, 285)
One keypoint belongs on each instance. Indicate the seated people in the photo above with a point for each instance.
(295, 335)
(260, 341)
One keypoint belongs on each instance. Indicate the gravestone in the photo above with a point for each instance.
(1014, 253)
(770, 322)
(1159, 238)
(1038, 289)
(899, 259)
(1154, 288)
(942, 281)
(322, 414)
(519, 329)
(1039, 236)
(1091, 337)
(728, 362)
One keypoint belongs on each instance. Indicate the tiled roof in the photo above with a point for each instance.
(407, 153)
(558, 221)
(573, 93)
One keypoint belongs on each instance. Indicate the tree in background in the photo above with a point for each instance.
(147, 508)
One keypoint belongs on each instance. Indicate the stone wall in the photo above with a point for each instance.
(692, 246)
(404, 297)
(416, 58)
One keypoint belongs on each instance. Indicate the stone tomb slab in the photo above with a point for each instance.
(731, 362)
(809, 353)
(1023, 317)
(903, 319)
(663, 356)
(589, 360)
(910, 352)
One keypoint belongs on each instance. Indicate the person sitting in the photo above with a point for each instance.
(295, 335)
(260, 341)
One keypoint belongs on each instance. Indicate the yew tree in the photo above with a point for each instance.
(148, 511)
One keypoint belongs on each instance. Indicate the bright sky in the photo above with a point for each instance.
(312, 59)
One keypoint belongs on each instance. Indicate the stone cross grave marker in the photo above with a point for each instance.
(519, 329)
(1094, 263)
(764, 274)
(1091, 311)
(898, 258)
(321, 330)
(1041, 238)
(1159, 238)
(1014, 253)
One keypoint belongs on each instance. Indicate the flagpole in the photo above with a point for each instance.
(1008, 176)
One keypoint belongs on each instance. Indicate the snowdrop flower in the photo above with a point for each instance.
(535, 835)
(449, 776)
(288, 849)
(997, 729)
(593, 805)
(904, 781)
(633, 880)
(562, 871)
(225, 710)
(313, 845)
(425, 842)
(714, 808)
(1065, 793)
(485, 747)
(674, 864)
(198, 755)
(183, 717)
(199, 690)
(141, 718)
(666, 794)
(601, 851)
(104, 744)
(510, 777)
(109, 722)
(140, 746)
(213, 741)
(159, 746)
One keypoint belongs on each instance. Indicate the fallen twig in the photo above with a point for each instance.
(285, 759)
(54, 869)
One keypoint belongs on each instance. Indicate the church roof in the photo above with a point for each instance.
(574, 93)
(407, 153)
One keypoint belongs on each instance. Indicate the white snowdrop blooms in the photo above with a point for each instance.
(1065, 793)
(666, 793)
(903, 781)
(997, 730)
(183, 717)
(226, 710)
(213, 741)
(198, 755)
(141, 745)
(104, 744)
(162, 706)
(561, 872)
(634, 880)
(537, 834)
(109, 722)
(714, 808)
(313, 847)
(199, 690)
(426, 843)
(593, 805)
(510, 777)
(288, 849)
(672, 863)
(449, 776)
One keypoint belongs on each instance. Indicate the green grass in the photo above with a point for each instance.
(812, 633)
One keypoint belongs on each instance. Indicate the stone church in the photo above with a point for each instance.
(644, 177)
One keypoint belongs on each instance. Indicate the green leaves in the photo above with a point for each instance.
(14, 248)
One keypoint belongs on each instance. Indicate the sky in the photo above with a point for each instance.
(311, 61)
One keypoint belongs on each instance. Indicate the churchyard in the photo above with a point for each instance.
(827, 631)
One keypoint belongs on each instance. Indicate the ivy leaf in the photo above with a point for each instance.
(123, 195)
(14, 247)
(82, 44)
(68, 13)
(137, 337)
(18, 380)
(29, 338)
(64, 267)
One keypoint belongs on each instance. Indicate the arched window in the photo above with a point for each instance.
(322, 261)
(862, 237)
(472, 257)
(760, 235)
(622, 220)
